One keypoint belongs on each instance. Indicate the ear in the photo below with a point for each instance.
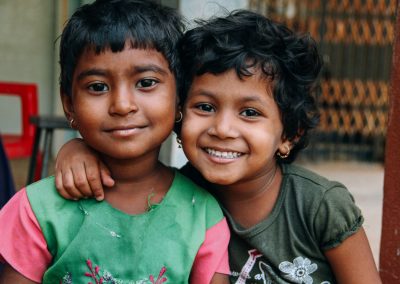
(285, 147)
(67, 106)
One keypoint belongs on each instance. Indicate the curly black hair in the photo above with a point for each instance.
(244, 40)
(110, 23)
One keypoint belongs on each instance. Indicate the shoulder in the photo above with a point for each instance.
(196, 198)
(303, 179)
(43, 197)
(328, 205)
(58, 218)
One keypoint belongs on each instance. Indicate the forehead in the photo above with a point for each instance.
(130, 54)
(228, 85)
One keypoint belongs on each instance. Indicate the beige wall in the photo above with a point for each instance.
(27, 47)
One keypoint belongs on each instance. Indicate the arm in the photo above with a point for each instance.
(218, 278)
(10, 275)
(22, 244)
(352, 261)
(79, 172)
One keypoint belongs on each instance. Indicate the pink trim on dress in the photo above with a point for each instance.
(212, 256)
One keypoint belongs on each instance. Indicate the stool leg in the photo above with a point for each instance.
(48, 140)
(35, 151)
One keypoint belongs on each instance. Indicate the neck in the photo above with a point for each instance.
(132, 170)
(252, 201)
(137, 183)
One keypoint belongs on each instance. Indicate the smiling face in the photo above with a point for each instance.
(123, 103)
(232, 128)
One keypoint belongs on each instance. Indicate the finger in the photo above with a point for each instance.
(94, 178)
(106, 176)
(69, 185)
(59, 186)
(81, 180)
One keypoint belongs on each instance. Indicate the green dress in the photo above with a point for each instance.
(92, 242)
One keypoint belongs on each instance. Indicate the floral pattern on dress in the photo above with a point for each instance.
(299, 271)
(107, 278)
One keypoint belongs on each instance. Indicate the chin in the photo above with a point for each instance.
(219, 180)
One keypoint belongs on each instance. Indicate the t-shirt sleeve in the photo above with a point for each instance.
(212, 256)
(22, 244)
(337, 218)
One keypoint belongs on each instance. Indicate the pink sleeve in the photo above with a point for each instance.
(22, 244)
(212, 256)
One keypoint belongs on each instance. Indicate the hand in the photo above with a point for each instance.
(79, 173)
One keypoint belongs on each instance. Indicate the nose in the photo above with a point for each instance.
(123, 101)
(223, 126)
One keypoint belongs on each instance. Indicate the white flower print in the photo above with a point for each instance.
(299, 271)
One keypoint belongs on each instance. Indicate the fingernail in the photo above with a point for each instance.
(99, 198)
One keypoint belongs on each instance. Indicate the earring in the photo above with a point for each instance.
(179, 141)
(180, 117)
(71, 123)
(284, 156)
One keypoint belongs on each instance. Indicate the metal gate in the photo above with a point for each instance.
(355, 38)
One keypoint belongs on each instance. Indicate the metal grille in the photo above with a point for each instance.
(355, 38)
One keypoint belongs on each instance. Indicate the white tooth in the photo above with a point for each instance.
(225, 155)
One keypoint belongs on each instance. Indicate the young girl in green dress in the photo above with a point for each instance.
(119, 66)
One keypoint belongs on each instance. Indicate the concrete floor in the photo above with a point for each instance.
(364, 180)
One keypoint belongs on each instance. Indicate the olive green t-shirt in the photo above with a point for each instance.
(311, 215)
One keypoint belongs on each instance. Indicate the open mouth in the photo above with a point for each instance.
(223, 154)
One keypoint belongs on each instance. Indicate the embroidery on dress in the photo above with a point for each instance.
(299, 271)
(160, 278)
(107, 278)
(67, 279)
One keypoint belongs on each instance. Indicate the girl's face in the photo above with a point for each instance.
(123, 103)
(232, 128)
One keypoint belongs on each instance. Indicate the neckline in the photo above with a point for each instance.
(105, 205)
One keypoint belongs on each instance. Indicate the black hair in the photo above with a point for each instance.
(110, 23)
(244, 40)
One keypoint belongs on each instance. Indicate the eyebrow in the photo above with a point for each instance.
(91, 72)
(135, 70)
(149, 67)
(251, 98)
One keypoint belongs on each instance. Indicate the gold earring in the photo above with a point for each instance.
(284, 156)
(71, 123)
(179, 141)
(180, 117)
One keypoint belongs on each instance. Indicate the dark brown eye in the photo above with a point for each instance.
(98, 87)
(146, 83)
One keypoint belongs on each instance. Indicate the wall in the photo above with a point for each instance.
(26, 53)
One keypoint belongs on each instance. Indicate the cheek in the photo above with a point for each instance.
(189, 129)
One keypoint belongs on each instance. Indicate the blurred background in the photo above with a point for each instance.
(355, 38)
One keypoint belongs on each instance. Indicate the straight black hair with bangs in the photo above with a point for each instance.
(110, 24)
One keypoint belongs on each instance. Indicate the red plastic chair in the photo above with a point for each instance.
(20, 146)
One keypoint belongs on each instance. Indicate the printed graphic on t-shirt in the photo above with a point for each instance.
(255, 270)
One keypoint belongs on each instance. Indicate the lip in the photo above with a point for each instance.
(222, 156)
(124, 131)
